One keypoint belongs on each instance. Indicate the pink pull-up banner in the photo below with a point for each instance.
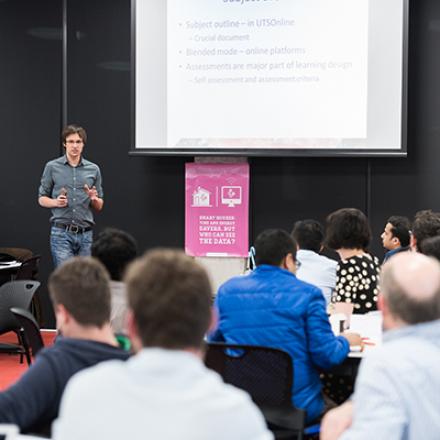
(216, 210)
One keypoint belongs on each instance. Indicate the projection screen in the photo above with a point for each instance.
(269, 77)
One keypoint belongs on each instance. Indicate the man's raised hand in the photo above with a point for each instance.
(91, 192)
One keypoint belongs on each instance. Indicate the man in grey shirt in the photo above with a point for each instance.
(398, 387)
(71, 187)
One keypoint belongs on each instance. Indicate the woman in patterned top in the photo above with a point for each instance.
(357, 274)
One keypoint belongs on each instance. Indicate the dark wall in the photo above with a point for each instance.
(142, 195)
(146, 195)
(30, 98)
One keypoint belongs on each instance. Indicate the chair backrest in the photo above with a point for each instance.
(265, 373)
(31, 329)
(20, 254)
(15, 294)
(29, 269)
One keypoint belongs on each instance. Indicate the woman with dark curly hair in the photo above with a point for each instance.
(357, 274)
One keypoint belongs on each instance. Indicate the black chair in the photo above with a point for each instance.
(14, 294)
(20, 254)
(267, 375)
(30, 332)
(29, 271)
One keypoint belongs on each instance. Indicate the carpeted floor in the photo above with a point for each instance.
(10, 367)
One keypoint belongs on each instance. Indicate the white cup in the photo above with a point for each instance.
(337, 321)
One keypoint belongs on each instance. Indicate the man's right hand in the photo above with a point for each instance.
(48, 202)
(354, 339)
(60, 201)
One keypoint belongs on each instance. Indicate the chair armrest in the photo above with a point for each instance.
(284, 417)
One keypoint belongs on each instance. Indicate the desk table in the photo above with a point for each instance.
(10, 265)
(369, 326)
(8, 270)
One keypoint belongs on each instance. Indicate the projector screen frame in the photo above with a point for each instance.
(219, 151)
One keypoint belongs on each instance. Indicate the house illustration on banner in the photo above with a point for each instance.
(201, 198)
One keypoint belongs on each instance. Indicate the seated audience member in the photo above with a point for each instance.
(357, 273)
(330, 253)
(431, 247)
(396, 236)
(314, 268)
(164, 391)
(271, 307)
(426, 224)
(115, 249)
(81, 297)
(398, 386)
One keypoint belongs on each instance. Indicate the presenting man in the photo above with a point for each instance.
(273, 308)
(398, 387)
(71, 188)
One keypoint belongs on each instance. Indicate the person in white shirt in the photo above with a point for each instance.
(164, 391)
(398, 386)
(115, 249)
(314, 268)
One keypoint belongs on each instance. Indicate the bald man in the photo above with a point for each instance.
(397, 393)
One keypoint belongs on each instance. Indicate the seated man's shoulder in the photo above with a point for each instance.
(74, 354)
(239, 279)
(308, 289)
(98, 376)
(226, 411)
(238, 283)
(405, 354)
(262, 285)
(127, 374)
(328, 262)
(315, 258)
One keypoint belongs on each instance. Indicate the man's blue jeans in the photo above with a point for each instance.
(65, 244)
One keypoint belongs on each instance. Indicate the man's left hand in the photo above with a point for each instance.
(91, 192)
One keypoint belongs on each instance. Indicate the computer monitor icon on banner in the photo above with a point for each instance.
(231, 195)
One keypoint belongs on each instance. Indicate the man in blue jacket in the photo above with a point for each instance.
(271, 307)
